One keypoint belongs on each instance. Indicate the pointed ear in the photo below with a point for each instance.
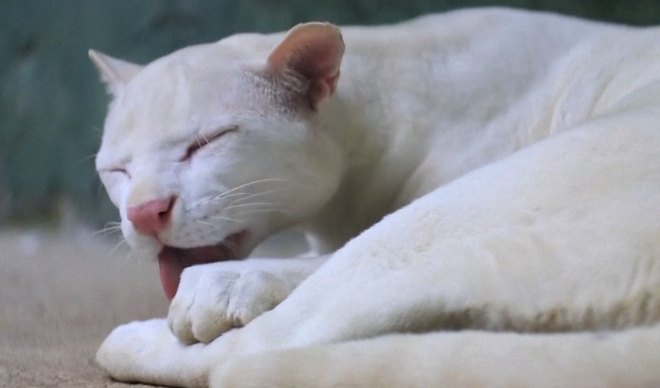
(310, 53)
(115, 73)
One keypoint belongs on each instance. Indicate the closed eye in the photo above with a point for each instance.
(203, 141)
(119, 170)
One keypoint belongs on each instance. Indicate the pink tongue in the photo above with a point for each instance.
(170, 271)
(172, 261)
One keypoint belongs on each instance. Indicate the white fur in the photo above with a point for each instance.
(216, 297)
(492, 170)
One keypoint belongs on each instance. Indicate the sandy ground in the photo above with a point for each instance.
(60, 295)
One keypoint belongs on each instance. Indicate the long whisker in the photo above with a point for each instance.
(129, 256)
(119, 244)
(85, 158)
(209, 200)
(245, 196)
(110, 228)
(107, 231)
(267, 210)
(225, 218)
(232, 247)
(240, 205)
(252, 183)
(99, 183)
(238, 200)
(242, 195)
(222, 196)
(207, 224)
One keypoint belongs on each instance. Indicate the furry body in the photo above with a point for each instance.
(491, 170)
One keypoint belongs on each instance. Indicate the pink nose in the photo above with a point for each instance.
(152, 217)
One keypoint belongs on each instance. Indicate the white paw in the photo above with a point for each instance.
(214, 298)
(131, 347)
(147, 352)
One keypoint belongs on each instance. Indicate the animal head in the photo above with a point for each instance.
(215, 147)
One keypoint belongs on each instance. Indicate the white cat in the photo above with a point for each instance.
(491, 170)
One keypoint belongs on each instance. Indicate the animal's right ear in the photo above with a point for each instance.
(114, 72)
(310, 53)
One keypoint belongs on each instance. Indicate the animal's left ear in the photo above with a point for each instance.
(309, 58)
(114, 72)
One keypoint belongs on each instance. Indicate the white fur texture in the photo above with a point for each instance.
(474, 172)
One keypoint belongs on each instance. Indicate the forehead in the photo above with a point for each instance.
(172, 92)
(190, 90)
(171, 98)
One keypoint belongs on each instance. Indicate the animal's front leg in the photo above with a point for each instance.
(513, 246)
(148, 352)
(214, 298)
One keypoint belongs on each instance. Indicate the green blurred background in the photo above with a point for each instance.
(52, 106)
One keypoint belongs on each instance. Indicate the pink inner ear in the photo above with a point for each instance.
(313, 51)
